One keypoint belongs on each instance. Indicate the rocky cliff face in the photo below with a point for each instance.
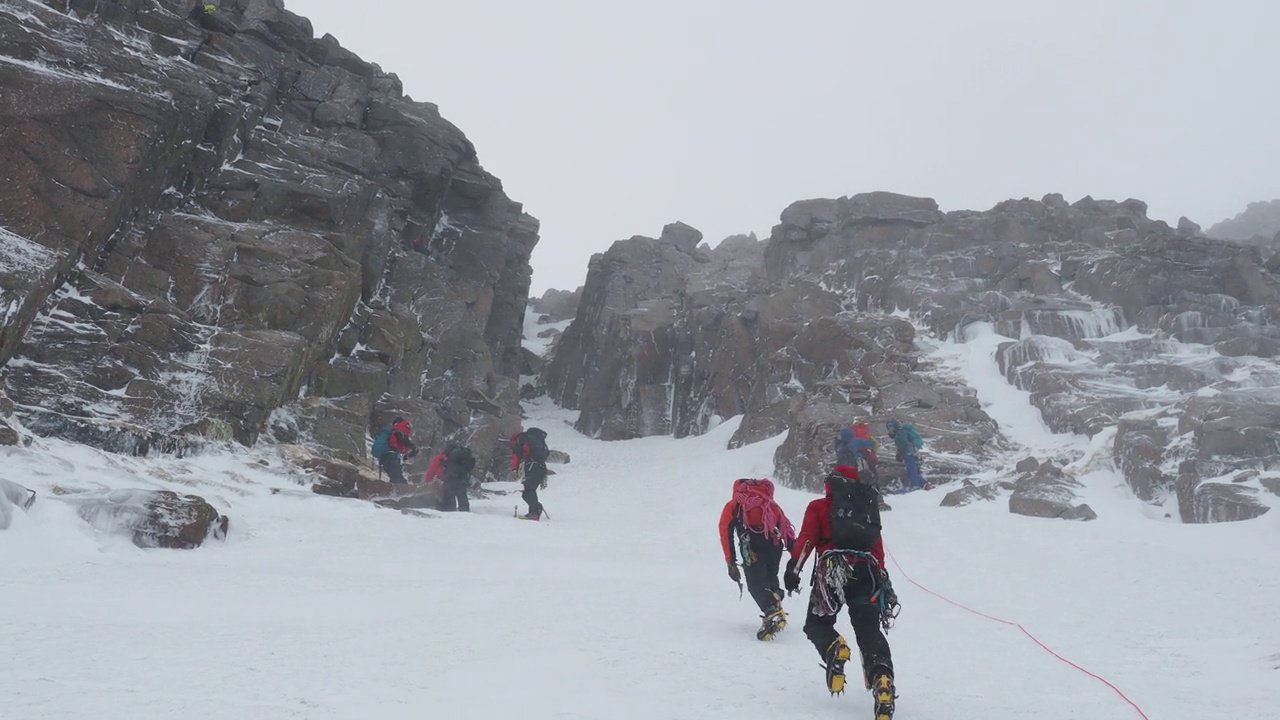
(1259, 223)
(216, 225)
(1114, 323)
(673, 336)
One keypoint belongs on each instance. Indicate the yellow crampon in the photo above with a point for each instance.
(837, 655)
(771, 625)
(884, 696)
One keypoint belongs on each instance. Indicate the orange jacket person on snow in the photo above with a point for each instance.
(754, 524)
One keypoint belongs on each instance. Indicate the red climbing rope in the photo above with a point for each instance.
(1026, 632)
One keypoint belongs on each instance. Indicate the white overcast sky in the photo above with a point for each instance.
(609, 119)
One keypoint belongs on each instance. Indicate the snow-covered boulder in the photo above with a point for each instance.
(13, 498)
(971, 492)
(152, 518)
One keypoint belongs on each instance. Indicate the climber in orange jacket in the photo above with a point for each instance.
(753, 523)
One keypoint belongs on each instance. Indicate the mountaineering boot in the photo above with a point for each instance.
(883, 692)
(836, 656)
(771, 624)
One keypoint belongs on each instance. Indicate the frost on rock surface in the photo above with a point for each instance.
(205, 219)
(853, 308)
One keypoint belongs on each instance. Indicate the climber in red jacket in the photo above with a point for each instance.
(843, 530)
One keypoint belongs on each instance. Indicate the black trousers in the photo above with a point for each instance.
(760, 569)
(530, 495)
(390, 462)
(535, 473)
(872, 645)
(455, 495)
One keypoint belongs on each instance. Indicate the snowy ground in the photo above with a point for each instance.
(618, 606)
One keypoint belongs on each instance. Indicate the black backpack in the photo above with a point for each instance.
(537, 440)
(855, 514)
(459, 461)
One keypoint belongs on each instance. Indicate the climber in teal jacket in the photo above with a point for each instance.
(908, 442)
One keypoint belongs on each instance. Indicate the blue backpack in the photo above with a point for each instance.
(382, 443)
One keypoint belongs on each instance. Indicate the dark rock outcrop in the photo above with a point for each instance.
(1062, 282)
(1047, 492)
(220, 226)
(152, 518)
(1104, 316)
(556, 305)
(341, 479)
(8, 435)
(1259, 223)
(1210, 451)
(673, 335)
(971, 492)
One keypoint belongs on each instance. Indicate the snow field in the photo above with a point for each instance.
(619, 605)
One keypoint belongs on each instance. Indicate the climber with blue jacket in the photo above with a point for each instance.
(855, 448)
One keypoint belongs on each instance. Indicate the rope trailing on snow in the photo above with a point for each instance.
(1024, 631)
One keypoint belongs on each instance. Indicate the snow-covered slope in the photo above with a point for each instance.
(618, 606)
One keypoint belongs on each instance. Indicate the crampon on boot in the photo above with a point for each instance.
(527, 516)
(883, 692)
(836, 656)
(771, 624)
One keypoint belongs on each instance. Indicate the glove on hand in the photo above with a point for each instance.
(791, 578)
(734, 574)
(543, 486)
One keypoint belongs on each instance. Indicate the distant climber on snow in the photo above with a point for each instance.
(753, 523)
(908, 442)
(843, 529)
(529, 453)
(453, 467)
(391, 447)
